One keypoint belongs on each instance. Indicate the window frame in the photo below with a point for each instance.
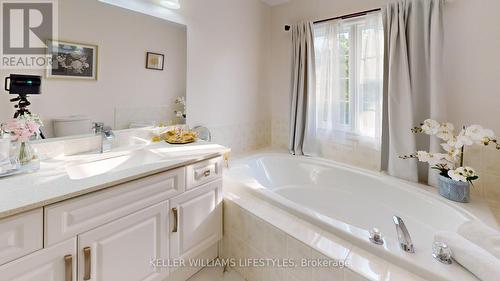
(355, 29)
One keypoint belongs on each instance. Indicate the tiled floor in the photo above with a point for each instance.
(216, 274)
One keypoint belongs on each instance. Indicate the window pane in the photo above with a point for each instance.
(349, 60)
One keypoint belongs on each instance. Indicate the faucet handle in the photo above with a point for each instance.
(441, 252)
(403, 235)
(376, 236)
(97, 127)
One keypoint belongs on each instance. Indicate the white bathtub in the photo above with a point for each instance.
(349, 202)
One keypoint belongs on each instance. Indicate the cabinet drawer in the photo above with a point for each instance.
(69, 218)
(203, 172)
(55, 263)
(21, 235)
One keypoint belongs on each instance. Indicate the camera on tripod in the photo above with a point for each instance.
(22, 86)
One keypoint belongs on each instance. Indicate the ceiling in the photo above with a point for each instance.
(274, 2)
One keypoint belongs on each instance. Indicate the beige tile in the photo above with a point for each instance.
(395, 273)
(216, 274)
(350, 275)
(254, 272)
(326, 273)
(233, 218)
(224, 247)
(274, 241)
(366, 264)
(291, 277)
(274, 274)
(237, 250)
(491, 161)
(298, 251)
(473, 157)
(332, 246)
(491, 186)
(254, 231)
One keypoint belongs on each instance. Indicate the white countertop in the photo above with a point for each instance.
(53, 182)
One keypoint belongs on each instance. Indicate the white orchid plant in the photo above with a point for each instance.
(451, 163)
(180, 101)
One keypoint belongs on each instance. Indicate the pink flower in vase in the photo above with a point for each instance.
(33, 127)
(21, 130)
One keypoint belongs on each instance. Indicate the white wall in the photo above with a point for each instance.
(228, 47)
(472, 62)
(123, 38)
(228, 55)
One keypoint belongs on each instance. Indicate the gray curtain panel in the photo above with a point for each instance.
(413, 92)
(303, 84)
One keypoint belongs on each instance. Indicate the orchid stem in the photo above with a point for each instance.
(462, 157)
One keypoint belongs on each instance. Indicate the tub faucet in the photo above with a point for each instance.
(107, 136)
(403, 235)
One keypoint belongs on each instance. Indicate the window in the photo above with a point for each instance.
(349, 79)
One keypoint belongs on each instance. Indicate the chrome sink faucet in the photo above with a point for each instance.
(107, 136)
(403, 235)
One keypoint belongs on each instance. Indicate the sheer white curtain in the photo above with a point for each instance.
(349, 84)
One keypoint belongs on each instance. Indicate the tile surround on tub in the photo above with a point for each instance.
(486, 162)
(292, 238)
(353, 154)
(243, 137)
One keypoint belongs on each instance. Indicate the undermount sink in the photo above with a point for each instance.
(86, 166)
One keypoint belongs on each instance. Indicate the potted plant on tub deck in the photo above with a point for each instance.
(455, 179)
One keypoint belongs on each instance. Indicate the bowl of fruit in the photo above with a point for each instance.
(180, 136)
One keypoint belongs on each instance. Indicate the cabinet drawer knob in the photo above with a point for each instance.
(87, 263)
(206, 173)
(68, 267)
(176, 220)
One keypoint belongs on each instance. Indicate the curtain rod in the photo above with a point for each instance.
(348, 16)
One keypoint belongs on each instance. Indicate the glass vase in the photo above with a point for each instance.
(27, 158)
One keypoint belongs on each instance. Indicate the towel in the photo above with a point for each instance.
(481, 263)
(482, 235)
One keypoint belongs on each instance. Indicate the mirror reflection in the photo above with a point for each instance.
(104, 72)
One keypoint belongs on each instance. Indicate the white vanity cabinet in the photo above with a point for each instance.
(55, 263)
(122, 250)
(196, 220)
(117, 233)
(21, 235)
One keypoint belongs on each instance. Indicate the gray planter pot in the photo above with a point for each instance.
(454, 190)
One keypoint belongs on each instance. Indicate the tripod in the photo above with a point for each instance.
(22, 108)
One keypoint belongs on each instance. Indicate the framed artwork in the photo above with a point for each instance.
(155, 61)
(72, 60)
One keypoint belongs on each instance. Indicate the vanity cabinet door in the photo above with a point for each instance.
(56, 263)
(122, 250)
(196, 220)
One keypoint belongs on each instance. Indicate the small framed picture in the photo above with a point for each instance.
(72, 60)
(155, 61)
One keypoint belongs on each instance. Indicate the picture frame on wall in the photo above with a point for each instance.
(72, 60)
(155, 61)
